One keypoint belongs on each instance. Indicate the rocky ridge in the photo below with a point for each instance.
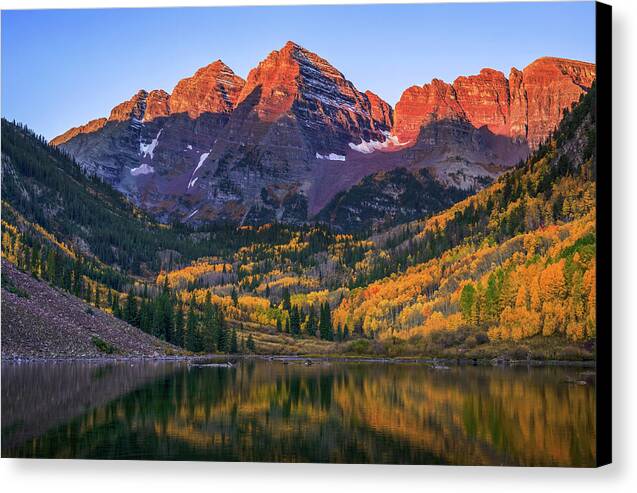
(526, 106)
(281, 144)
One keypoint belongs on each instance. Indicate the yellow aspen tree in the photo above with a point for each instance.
(591, 288)
(521, 298)
(534, 295)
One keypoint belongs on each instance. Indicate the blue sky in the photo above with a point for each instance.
(61, 68)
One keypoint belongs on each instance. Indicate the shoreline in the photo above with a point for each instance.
(435, 363)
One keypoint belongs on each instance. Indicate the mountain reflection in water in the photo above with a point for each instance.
(327, 412)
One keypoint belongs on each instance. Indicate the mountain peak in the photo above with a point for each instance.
(296, 82)
(134, 108)
(555, 59)
(291, 45)
(212, 89)
(213, 69)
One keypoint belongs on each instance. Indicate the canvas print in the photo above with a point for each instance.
(337, 234)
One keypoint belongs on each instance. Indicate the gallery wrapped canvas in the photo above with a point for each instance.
(274, 234)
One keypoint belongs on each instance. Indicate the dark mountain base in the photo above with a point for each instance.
(388, 198)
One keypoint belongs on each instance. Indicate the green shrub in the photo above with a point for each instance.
(360, 346)
(482, 338)
(12, 288)
(471, 342)
(103, 346)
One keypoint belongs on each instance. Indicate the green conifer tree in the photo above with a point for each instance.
(251, 345)
(115, 307)
(179, 326)
(325, 323)
(210, 328)
(223, 341)
(287, 305)
(234, 344)
(295, 322)
(130, 309)
(192, 342)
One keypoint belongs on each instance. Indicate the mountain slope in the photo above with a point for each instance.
(41, 321)
(513, 262)
(43, 185)
(388, 198)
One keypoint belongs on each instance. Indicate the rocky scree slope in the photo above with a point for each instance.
(40, 321)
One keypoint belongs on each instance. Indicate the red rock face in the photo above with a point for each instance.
(552, 84)
(485, 99)
(298, 83)
(420, 105)
(157, 105)
(272, 85)
(382, 113)
(88, 128)
(518, 117)
(133, 108)
(213, 89)
(529, 105)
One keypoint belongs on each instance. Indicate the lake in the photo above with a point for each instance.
(262, 410)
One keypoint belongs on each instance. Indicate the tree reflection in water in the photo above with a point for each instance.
(328, 412)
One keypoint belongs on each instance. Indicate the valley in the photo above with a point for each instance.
(506, 272)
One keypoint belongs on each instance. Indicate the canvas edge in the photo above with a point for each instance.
(603, 55)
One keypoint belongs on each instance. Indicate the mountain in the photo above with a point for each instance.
(282, 144)
(509, 271)
(297, 88)
(468, 131)
(213, 89)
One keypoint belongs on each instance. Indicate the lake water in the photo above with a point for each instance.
(328, 412)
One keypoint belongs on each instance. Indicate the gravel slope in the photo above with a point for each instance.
(50, 323)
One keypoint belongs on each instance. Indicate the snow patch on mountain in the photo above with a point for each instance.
(144, 169)
(149, 149)
(193, 179)
(367, 147)
(202, 158)
(331, 156)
